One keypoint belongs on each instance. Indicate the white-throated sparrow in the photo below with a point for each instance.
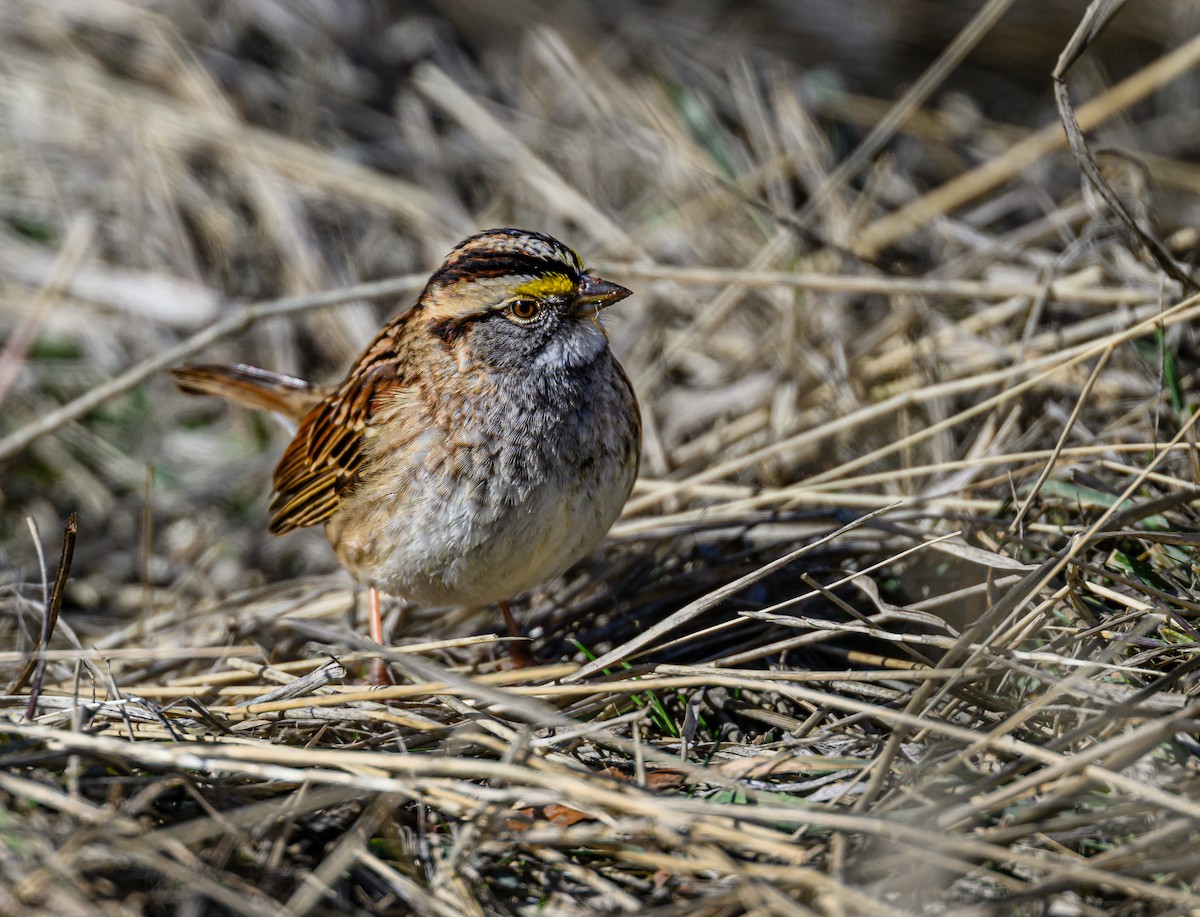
(484, 441)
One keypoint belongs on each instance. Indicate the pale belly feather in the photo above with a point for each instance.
(461, 553)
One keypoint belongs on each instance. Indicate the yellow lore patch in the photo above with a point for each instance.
(546, 285)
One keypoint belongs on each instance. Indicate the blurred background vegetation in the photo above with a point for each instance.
(208, 154)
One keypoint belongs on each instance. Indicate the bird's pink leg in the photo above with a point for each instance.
(518, 650)
(379, 672)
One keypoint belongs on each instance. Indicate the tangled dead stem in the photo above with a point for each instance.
(900, 617)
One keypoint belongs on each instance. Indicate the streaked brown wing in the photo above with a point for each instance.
(324, 458)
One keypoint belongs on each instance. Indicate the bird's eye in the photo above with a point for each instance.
(524, 310)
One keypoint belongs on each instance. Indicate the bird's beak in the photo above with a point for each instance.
(596, 294)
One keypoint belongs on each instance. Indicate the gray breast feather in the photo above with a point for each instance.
(523, 507)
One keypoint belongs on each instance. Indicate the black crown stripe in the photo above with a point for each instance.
(501, 264)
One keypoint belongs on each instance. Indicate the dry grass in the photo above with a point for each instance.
(901, 615)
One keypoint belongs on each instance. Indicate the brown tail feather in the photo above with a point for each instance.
(249, 386)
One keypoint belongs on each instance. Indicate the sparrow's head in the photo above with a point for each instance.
(515, 299)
